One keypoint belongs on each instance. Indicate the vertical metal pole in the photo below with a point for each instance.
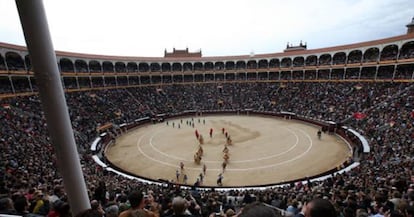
(30, 83)
(12, 85)
(39, 43)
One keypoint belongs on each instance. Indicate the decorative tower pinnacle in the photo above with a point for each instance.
(410, 27)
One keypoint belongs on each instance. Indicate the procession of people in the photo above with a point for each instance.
(182, 176)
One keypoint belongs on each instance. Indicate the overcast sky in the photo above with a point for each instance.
(217, 27)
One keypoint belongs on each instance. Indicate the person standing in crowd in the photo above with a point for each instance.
(137, 202)
(112, 207)
(258, 209)
(6, 206)
(100, 193)
(318, 208)
(180, 207)
(58, 193)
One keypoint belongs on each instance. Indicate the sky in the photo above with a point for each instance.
(217, 27)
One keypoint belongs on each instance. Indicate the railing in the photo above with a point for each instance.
(82, 89)
(234, 70)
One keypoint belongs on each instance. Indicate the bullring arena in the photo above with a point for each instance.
(264, 150)
(136, 119)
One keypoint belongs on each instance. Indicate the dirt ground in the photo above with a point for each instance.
(265, 150)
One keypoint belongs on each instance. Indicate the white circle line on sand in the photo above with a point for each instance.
(163, 153)
(229, 169)
(149, 157)
(275, 155)
(237, 161)
(283, 162)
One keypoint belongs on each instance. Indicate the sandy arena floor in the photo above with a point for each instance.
(266, 150)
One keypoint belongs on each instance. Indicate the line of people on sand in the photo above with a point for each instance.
(190, 123)
(200, 138)
(181, 176)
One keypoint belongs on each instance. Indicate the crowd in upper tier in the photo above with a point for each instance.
(381, 186)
